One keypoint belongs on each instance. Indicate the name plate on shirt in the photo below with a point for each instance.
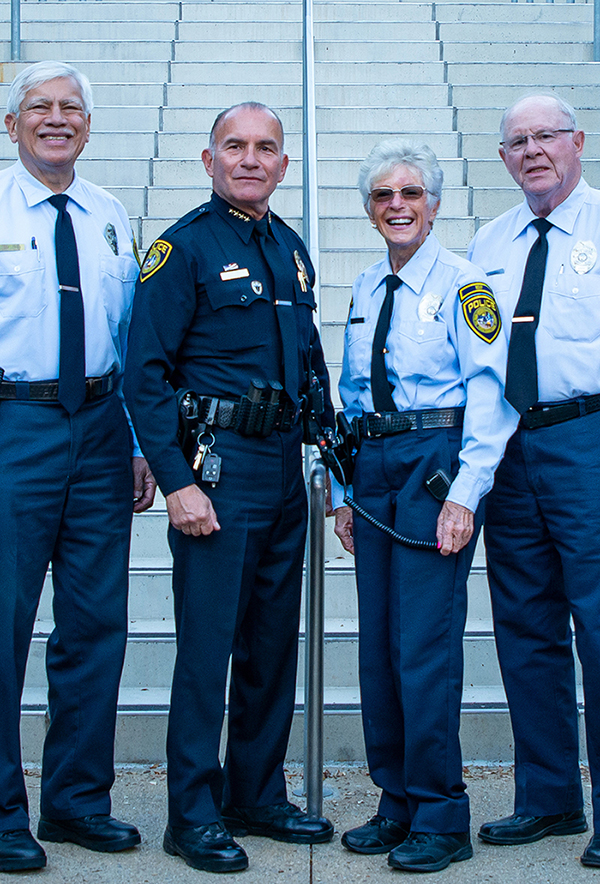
(12, 247)
(235, 274)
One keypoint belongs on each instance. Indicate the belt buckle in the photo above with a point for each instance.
(369, 433)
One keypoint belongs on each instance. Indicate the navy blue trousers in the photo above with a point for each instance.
(66, 496)
(412, 608)
(237, 594)
(542, 531)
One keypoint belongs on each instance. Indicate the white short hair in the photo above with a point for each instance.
(39, 73)
(386, 155)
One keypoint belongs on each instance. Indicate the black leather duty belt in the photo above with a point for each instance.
(556, 413)
(389, 423)
(47, 391)
(226, 414)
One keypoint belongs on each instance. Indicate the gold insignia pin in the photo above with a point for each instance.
(302, 273)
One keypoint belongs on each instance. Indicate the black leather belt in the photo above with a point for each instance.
(226, 413)
(47, 391)
(558, 412)
(389, 423)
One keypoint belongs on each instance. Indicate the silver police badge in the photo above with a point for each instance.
(583, 256)
(257, 287)
(429, 306)
(110, 235)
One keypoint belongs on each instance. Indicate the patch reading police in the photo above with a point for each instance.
(155, 259)
(480, 310)
(110, 235)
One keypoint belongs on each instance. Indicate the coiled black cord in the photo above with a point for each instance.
(399, 538)
(410, 542)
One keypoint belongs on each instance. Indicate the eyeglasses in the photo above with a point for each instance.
(410, 192)
(545, 137)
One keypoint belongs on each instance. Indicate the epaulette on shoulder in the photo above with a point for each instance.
(188, 219)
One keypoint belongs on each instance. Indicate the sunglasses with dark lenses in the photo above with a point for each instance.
(386, 194)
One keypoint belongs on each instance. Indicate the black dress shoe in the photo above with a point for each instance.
(96, 832)
(591, 854)
(282, 822)
(19, 851)
(209, 848)
(517, 829)
(379, 835)
(430, 852)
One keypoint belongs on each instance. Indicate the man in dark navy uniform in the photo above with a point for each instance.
(224, 307)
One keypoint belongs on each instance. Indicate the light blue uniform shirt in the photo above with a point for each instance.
(29, 297)
(436, 363)
(568, 334)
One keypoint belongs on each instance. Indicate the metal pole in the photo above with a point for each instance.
(15, 30)
(315, 622)
(310, 207)
(596, 30)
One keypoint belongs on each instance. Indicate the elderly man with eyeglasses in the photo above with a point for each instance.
(542, 517)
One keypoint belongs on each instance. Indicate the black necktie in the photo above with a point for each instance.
(71, 375)
(521, 371)
(283, 298)
(380, 386)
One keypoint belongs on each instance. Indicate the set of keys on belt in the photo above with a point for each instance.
(206, 460)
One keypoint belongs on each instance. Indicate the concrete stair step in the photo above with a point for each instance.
(201, 95)
(154, 51)
(116, 144)
(69, 31)
(487, 119)
(513, 12)
(150, 95)
(492, 201)
(277, 29)
(475, 95)
(142, 722)
(329, 119)
(516, 31)
(526, 73)
(336, 12)
(523, 52)
(291, 51)
(131, 11)
(179, 145)
(326, 72)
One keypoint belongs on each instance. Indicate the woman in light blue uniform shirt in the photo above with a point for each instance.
(424, 390)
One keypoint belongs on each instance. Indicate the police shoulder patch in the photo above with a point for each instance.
(480, 310)
(155, 259)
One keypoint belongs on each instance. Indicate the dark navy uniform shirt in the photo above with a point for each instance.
(204, 318)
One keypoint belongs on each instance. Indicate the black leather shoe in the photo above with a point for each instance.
(591, 854)
(96, 832)
(282, 822)
(379, 835)
(19, 851)
(430, 852)
(517, 829)
(209, 848)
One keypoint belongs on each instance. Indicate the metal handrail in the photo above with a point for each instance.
(596, 30)
(15, 30)
(315, 622)
(310, 207)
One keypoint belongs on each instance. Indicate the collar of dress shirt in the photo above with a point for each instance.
(35, 192)
(237, 219)
(415, 271)
(564, 215)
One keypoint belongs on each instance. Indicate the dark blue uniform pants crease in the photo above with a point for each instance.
(542, 530)
(237, 593)
(65, 497)
(412, 608)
